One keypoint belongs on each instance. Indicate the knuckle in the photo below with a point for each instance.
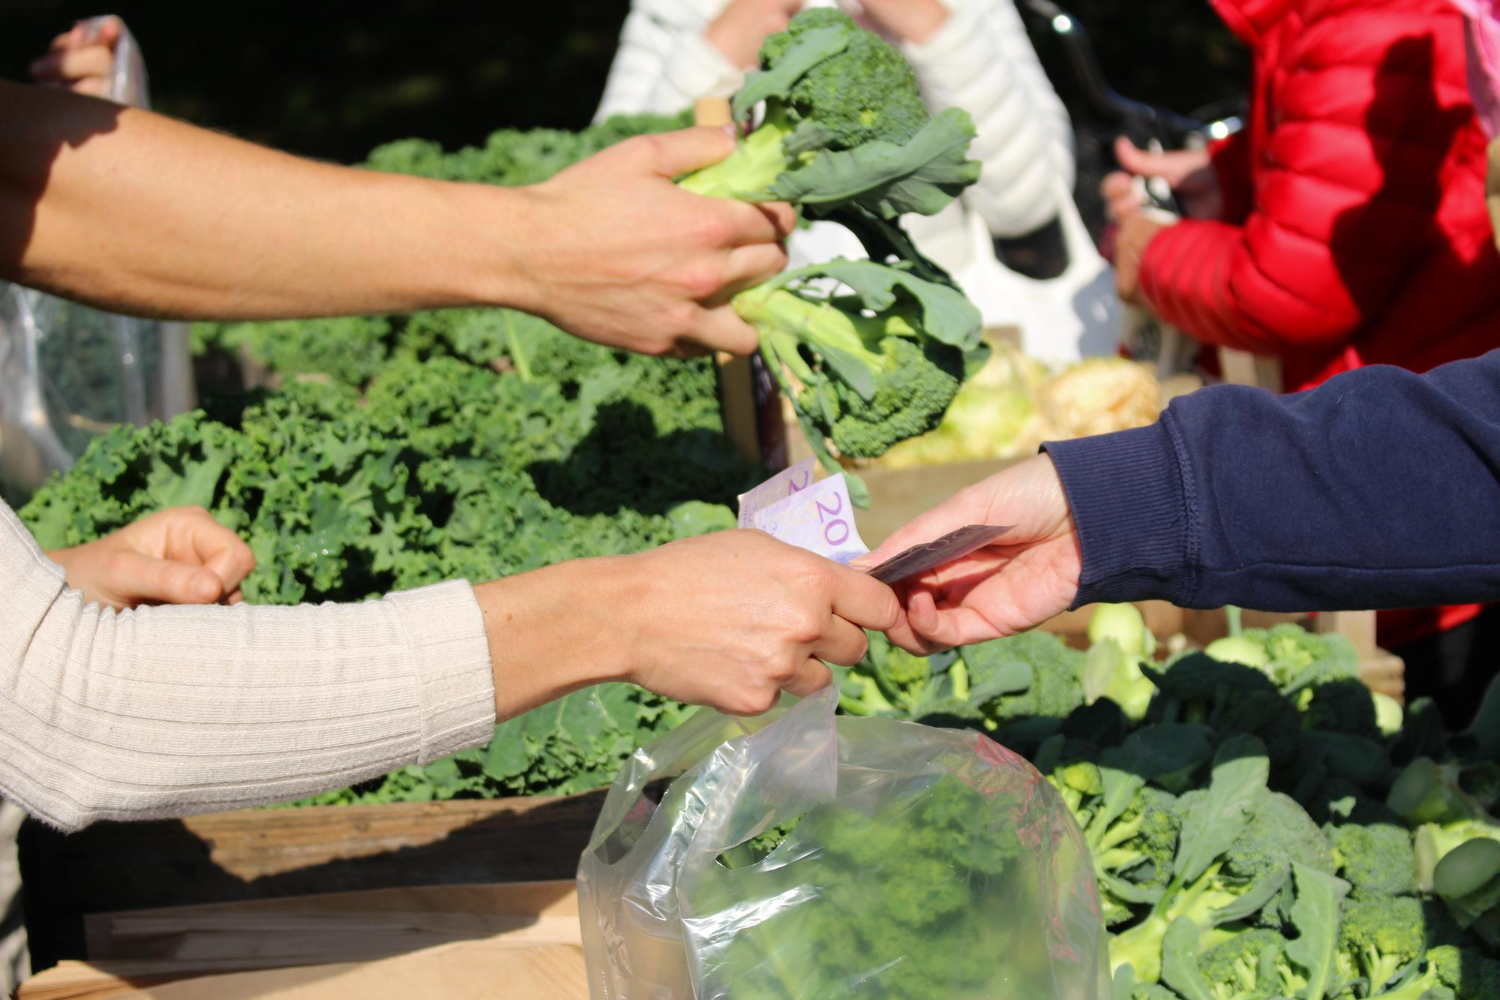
(702, 279)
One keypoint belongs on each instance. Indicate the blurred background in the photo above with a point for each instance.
(332, 80)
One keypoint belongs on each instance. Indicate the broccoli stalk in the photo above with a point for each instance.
(876, 366)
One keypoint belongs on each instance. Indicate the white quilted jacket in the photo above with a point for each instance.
(980, 60)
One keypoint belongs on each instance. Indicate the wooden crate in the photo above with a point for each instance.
(275, 853)
(378, 943)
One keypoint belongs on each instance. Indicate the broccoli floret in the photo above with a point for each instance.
(844, 126)
(866, 92)
(1380, 936)
(1344, 705)
(1133, 855)
(914, 384)
(875, 368)
(1447, 973)
(1376, 860)
(1251, 965)
(1056, 683)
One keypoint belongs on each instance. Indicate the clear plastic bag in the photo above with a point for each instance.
(923, 863)
(69, 372)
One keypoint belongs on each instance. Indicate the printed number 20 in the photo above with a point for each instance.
(836, 531)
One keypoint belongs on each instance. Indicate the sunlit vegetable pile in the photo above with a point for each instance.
(1262, 825)
(1015, 402)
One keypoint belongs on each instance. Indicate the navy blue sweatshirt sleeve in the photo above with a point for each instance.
(1378, 489)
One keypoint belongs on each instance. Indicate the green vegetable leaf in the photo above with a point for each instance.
(1315, 914)
(809, 49)
(1216, 821)
(922, 176)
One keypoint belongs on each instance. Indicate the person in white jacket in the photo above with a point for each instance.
(972, 54)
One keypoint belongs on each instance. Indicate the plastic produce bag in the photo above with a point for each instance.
(69, 372)
(917, 863)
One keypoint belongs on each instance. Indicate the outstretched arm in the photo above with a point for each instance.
(137, 213)
(162, 711)
(1380, 488)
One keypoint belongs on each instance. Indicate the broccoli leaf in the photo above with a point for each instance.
(1217, 819)
(1315, 914)
(924, 175)
(809, 49)
(947, 315)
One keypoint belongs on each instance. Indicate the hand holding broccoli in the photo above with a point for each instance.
(656, 279)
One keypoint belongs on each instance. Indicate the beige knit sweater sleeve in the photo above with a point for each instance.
(167, 711)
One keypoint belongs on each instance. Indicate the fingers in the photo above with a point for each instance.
(231, 564)
(811, 677)
(1136, 160)
(163, 581)
(783, 217)
(753, 224)
(68, 65)
(943, 628)
(747, 267)
(675, 153)
(721, 329)
(841, 642)
(864, 600)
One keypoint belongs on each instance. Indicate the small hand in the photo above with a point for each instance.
(1030, 575)
(1187, 172)
(743, 25)
(728, 620)
(733, 619)
(79, 62)
(914, 21)
(175, 556)
(1135, 235)
(618, 254)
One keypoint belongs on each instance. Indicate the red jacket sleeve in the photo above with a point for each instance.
(1369, 113)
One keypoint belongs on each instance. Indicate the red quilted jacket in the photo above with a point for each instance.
(1356, 230)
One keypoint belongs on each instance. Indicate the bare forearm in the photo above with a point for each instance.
(139, 213)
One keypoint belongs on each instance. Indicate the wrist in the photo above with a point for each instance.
(470, 255)
(554, 630)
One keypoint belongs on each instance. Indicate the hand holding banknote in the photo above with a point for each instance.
(1030, 574)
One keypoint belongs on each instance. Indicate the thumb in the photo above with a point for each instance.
(166, 582)
(675, 153)
(1136, 160)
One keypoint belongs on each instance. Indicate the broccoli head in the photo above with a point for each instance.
(1380, 936)
(875, 366)
(865, 92)
(845, 129)
(914, 384)
(1376, 860)
(1235, 853)
(1230, 699)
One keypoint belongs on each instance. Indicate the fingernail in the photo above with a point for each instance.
(731, 129)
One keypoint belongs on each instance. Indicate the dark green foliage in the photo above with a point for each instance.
(443, 470)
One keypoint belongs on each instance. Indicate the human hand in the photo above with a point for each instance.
(739, 31)
(1187, 172)
(176, 556)
(80, 59)
(1016, 584)
(913, 21)
(729, 620)
(1135, 235)
(614, 252)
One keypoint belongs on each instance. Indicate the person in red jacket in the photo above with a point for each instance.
(1345, 226)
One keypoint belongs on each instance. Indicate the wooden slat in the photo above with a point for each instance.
(265, 854)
